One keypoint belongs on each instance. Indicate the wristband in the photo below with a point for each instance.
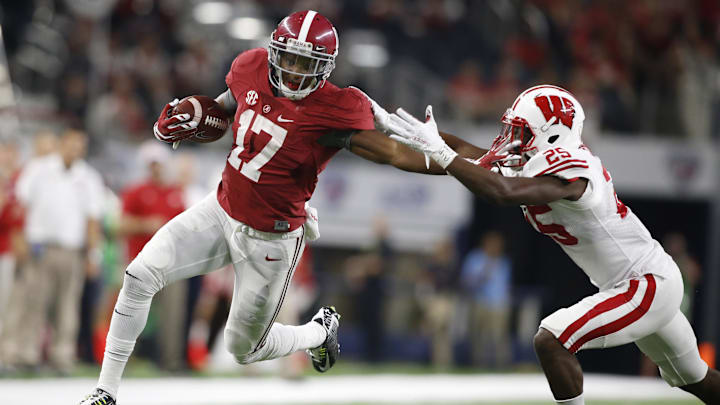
(444, 156)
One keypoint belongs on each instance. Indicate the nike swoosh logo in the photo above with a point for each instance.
(126, 272)
(270, 259)
(120, 313)
(281, 119)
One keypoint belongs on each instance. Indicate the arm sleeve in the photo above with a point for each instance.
(228, 101)
(337, 139)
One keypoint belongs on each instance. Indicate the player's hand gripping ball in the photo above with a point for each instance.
(212, 120)
(195, 118)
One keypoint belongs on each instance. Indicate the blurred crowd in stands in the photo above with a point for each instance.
(647, 66)
(640, 67)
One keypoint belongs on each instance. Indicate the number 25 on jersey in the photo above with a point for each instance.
(251, 168)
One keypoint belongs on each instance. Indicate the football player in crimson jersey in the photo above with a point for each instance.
(566, 194)
(288, 122)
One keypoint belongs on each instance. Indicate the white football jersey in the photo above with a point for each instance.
(599, 233)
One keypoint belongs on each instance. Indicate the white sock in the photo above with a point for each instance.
(578, 400)
(285, 339)
(128, 320)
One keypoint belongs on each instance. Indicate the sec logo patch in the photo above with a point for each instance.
(251, 97)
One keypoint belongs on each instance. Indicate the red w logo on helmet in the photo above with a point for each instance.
(562, 109)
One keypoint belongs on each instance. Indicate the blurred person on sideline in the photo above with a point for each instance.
(438, 296)
(485, 277)
(539, 162)
(146, 207)
(62, 196)
(12, 244)
(44, 142)
(366, 274)
(288, 122)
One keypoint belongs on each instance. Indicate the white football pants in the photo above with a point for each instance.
(202, 239)
(644, 310)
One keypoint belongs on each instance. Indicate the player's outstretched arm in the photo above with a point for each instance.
(386, 151)
(463, 148)
(424, 137)
(377, 147)
(502, 190)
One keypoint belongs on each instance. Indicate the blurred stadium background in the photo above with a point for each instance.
(396, 249)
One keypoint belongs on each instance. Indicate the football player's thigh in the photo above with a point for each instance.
(620, 315)
(263, 270)
(674, 349)
(190, 244)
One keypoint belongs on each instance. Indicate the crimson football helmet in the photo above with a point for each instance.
(542, 117)
(302, 53)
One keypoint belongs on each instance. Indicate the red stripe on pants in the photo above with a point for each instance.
(623, 322)
(605, 306)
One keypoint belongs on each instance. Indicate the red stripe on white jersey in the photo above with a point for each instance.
(623, 322)
(564, 162)
(569, 167)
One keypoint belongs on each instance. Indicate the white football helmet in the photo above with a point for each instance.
(542, 117)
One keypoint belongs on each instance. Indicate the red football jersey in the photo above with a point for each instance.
(12, 214)
(147, 200)
(272, 168)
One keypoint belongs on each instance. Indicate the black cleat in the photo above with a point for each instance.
(325, 355)
(98, 397)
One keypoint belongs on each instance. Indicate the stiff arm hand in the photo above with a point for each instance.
(421, 136)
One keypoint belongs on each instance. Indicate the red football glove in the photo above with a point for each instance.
(499, 152)
(173, 128)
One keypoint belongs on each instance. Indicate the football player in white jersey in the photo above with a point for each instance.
(541, 164)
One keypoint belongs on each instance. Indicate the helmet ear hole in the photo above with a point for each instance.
(553, 138)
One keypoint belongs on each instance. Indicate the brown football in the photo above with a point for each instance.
(212, 119)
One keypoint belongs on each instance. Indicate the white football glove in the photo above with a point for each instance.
(312, 226)
(421, 136)
(382, 117)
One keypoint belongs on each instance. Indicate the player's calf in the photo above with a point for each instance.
(561, 368)
(708, 390)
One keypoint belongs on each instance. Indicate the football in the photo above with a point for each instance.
(211, 118)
